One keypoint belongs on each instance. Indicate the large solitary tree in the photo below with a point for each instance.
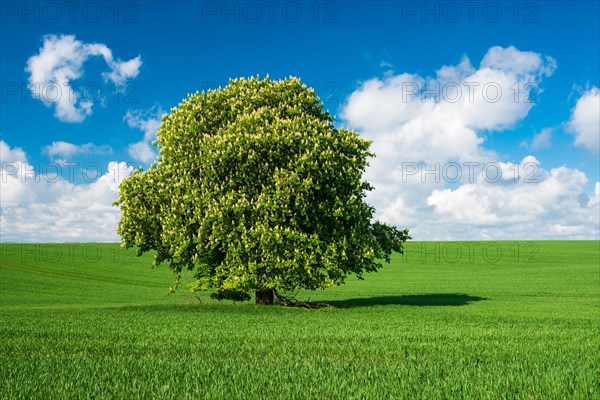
(255, 190)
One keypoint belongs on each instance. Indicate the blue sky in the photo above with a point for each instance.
(362, 57)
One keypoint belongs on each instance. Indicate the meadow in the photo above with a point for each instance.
(476, 320)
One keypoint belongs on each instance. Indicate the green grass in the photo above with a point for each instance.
(480, 320)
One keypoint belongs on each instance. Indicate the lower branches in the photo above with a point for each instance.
(290, 301)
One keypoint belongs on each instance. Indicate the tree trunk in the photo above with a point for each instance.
(264, 297)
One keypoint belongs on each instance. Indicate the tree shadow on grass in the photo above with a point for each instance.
(421, 300)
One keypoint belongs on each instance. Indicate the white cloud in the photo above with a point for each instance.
(148, 122)
(440, 118)
(65, 150)
(123, 70)
(432, 172)
(42, 208)
(594, 200)
(142, 151)
(517, 62)
(585, 120)
(8, 155)
(552, 206)
(54, 72)
(12, 161)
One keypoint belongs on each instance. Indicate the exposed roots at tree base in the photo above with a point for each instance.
(291, 302)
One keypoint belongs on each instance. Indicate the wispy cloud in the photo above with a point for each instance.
(65, 150)
(541, 140)
(147, 121)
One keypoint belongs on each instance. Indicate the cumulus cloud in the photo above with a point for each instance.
(432, 171)
(12, 161)
(585, 120)
(41, 208)
(544, 205)
(65, 150)
(148, 122)
(441, 118)
(517, 62)
(142, 151)
(10, 156)
(54, 71)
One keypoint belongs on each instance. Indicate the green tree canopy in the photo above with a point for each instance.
(255, 189)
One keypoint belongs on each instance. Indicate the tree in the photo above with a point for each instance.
(255, 190)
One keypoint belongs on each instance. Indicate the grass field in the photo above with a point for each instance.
(480, 320)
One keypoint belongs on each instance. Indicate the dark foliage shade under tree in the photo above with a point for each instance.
(255, 190)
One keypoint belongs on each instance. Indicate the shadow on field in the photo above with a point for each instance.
(430, 299)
